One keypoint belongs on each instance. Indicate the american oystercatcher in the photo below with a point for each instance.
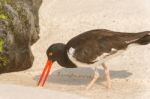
(92, 48)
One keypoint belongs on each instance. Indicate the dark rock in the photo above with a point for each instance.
(19, 30)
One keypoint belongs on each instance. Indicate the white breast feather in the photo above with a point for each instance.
(71, 51)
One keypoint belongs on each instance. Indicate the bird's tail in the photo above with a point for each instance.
(144, 40)
(141, 38)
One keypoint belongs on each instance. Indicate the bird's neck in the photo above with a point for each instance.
(64, 61)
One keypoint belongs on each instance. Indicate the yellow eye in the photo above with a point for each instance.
(50, 54)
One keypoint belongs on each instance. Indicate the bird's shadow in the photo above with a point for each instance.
(80, 76)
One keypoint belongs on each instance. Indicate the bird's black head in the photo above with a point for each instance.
(54, 51)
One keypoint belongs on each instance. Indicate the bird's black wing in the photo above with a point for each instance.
(92, 44)
(88, 51)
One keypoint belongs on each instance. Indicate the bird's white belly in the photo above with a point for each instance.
(98, 61)
(81, 64)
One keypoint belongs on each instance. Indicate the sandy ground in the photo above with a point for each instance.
(61, 20)
(22, 92)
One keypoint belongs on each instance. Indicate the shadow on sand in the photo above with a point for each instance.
(80, 76)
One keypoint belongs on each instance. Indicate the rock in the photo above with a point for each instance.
(19, 30)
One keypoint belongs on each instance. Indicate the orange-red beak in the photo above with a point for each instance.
(45, 73)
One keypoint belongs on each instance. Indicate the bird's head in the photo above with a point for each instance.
(53, 54)
(54, 51)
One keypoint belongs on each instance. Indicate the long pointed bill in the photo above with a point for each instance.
(45, 73)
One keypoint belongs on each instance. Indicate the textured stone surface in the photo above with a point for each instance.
(19, 29)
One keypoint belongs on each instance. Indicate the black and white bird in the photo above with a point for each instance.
(92, 48)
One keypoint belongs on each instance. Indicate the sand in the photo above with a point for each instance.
(7, 92)
(62, 20)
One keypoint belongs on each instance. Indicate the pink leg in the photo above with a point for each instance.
(96, 76)
(107, 75)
